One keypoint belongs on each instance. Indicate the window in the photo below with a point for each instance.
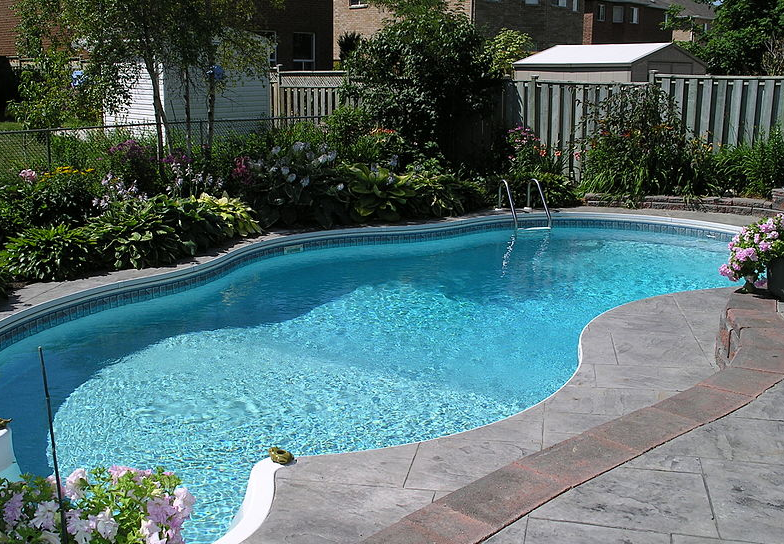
(575, 5)
(705, 27)
(558, 3)
(273, 39)
(602, 14)
(634, 16)
(304, 51)
(532, 2)
(357, 3)
(617, 14)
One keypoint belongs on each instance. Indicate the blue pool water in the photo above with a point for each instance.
(330, 351)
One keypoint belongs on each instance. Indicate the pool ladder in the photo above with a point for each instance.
(527, 209)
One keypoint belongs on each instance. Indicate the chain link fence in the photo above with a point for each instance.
(45, 149)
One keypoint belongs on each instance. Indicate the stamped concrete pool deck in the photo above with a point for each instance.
(631, 450)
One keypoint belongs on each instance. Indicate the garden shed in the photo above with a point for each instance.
(598, 63)
(240, 98)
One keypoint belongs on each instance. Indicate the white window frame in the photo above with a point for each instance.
(352, 4)
(575, 5)
(602, 13)
(617, 14)
(272, 36)
(634, 15)
(301, 64)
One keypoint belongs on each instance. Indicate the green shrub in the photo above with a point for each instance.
(293, 185)
(639, 148)
(434, 196)
(49, 254)
(136, 162)
(64, 195)
(558, 189)
(134, 234)
(377, 193)
(236, 217)
(5, 279)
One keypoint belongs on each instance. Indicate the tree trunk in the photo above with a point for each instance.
(186, 77)
(160, 115)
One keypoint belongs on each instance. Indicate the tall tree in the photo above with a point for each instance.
(738, 38)
(423, 73)
(192, 36)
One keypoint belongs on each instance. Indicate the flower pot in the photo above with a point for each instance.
(776, 277)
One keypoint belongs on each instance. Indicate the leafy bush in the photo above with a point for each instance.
(120, 505)
(294, 184)
(752, 169)
(377, 193)
(49, 254)
(64, 195)
(507, 47)
(135, 235)
(640, 148)
(558, 189)
(136, 162)
(530, 155)
(400, 77)
(235, 216)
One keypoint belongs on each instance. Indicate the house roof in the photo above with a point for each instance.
(611, 54)
(692, 8)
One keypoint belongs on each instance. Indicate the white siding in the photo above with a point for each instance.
(239, 100)
(140, 107)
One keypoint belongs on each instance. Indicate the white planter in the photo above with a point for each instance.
(8, 467)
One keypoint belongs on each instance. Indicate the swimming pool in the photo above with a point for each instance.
(334, 349)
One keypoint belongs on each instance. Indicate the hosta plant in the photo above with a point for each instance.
(377, 193)
(236, 217)
(49, 254)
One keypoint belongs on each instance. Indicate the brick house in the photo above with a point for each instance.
(638, 21)
(8, 22)
(302, 29)
(548, 22)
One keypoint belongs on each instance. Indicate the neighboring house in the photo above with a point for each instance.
(548, 22)
(8, 22)
(302, 29)
(625, 21)
(639, 21)
(701, 15)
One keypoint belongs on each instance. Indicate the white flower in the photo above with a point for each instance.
(183, 501)
(44, 515)
(305, 181)
(75, 483)
(291, 177)
(105, 524)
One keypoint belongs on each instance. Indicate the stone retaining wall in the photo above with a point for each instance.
(737, 205)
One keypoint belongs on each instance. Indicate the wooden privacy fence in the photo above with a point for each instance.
(725, 110)
(304, 94)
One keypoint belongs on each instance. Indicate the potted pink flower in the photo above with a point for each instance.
(756, 250)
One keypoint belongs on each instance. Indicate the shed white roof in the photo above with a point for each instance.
(611, 54)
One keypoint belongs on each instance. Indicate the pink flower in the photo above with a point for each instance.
(761, 283)
(28, 175)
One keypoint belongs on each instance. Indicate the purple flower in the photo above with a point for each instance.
(12, 510)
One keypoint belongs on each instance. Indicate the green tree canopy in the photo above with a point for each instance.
(423, 73)
(739, 36)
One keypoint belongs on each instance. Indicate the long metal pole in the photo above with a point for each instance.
(63, 524)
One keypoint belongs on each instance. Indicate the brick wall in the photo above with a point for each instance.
(547, 25)
(648, 28)
(8, 22)
(308, 16)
